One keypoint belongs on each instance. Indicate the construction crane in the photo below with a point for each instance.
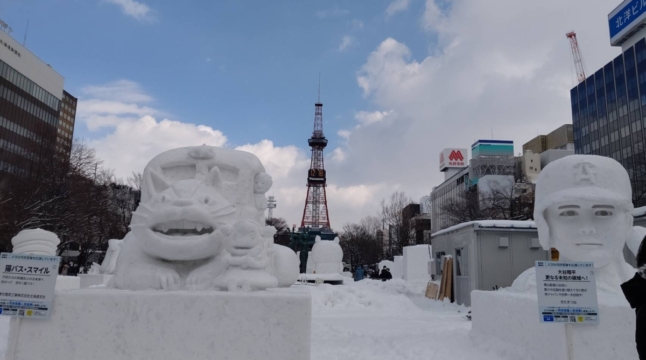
(576, 56)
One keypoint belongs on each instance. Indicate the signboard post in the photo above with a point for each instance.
(567, 292)
(27, 284)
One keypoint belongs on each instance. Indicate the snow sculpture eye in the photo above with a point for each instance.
(206, 200)
(163, 198)
(568, 213)
(603, 213)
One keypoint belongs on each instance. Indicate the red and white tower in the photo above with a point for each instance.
(315, 213)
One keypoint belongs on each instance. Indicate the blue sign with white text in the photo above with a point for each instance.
(626, 16)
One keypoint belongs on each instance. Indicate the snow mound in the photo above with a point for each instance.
(366, 295)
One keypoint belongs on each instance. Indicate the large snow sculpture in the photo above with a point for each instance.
(327, 256)
(192, 200)
(584, 209)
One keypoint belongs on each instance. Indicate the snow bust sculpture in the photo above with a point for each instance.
(327, 256)
(584, 209)
(199, 219)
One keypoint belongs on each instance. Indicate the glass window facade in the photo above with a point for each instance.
(609, 115)
(29, 119)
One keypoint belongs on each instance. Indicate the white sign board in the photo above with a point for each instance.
(453, 158)
(27, 284)
(567, 292)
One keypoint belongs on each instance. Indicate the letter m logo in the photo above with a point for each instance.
(456, 156)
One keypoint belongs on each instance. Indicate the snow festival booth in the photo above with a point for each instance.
(583, 209)
(486, 254)
(197, 277)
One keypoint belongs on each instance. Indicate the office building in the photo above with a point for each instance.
(32, 104)
(555, 145)
(609, 106)
(491, 168)
(559, 139)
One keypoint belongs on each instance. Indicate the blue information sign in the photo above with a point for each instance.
(626, 16)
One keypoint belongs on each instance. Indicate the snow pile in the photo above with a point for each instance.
(368, 295)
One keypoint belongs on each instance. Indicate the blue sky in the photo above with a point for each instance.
(401, 80)
(228, 64)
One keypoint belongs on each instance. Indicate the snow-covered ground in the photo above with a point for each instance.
(376, 320)
(390, 320)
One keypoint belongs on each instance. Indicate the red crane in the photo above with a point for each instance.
(576, 56)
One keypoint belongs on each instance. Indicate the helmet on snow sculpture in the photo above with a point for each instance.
(580, 201)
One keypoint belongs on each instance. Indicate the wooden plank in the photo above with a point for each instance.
(432, 290)
(449, 284)
(440, 293)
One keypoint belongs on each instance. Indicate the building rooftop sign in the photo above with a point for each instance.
(625, 20)
(453, 158)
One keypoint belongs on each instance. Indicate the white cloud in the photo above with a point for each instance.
(356, 24)
(120, 90)
(346, 41)
(344, 133)
(133, 143)
(335, 11)
(338, 155)
(110, 104)
(397, 6)
(478, 74)
(135, 9)
(368, 118)
(278, 161)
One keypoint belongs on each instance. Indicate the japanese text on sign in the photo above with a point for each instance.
(27, 284)
(626, 16)
(567, 292)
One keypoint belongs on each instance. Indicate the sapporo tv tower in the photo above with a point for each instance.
(315, 214)
(316, 219)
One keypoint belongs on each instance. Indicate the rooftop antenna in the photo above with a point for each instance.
(24, 41)
(319, 100)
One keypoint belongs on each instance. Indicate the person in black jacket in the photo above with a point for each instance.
(635, 292)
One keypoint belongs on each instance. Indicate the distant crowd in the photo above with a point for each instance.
(360, 274)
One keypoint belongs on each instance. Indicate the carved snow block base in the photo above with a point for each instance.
(64, 282)
(88, 280)
(513, 318)
(106, 324)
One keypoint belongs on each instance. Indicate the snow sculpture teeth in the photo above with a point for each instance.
(183, 228)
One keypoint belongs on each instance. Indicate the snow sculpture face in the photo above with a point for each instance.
(181, 220)
(244, 237)
(584, 208)
(262, 183)
(327, 256)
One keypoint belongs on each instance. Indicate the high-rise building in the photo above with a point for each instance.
(32, 104)
(609, 106)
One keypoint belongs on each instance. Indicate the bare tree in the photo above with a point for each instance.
(359, 242)
(392, 216)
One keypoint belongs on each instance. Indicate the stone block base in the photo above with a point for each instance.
(513, 318)
(106, 324)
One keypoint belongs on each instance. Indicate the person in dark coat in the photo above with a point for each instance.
(385, 274)
(635, 292)
(358, 274)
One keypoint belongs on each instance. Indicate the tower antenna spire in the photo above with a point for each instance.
(319, 100)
